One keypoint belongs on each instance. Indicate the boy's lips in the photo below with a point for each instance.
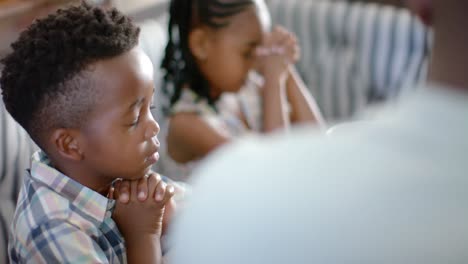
(153, 158)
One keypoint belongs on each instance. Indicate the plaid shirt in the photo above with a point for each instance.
(58, 220)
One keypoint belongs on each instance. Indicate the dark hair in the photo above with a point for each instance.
(44, 81)
(179, 64)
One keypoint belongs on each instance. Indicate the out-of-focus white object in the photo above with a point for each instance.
(348, 127)
(393, 193)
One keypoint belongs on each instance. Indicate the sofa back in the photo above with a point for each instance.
(16, 149)
(354, 54)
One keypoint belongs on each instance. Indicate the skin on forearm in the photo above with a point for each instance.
(275, 114)
(304, 109)
(144, 249)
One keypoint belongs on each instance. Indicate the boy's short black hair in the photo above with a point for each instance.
(45, 82)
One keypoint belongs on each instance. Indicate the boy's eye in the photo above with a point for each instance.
(248, 54)
(135, 123)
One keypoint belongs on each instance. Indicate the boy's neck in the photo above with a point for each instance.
(84, 177)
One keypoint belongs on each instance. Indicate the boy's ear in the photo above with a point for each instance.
(199, 43)
(67, 144)
(422, 9)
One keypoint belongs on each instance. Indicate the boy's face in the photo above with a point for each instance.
(119, 138)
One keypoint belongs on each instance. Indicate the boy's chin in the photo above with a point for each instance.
(138, 175)
(147, 171)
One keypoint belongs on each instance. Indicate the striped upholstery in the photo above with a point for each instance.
(16, 149)
(354, 54)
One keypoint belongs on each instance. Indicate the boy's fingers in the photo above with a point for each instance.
(133, 190)
(170, 208)
(160, 191)
(170, 190)
(115, 190)
(142, 189)
(111, 193)
(123, 192)
(153, 181)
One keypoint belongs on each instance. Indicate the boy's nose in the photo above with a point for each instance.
(152, 130)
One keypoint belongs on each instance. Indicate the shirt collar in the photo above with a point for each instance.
(90, 202)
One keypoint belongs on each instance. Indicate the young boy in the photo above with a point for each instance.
(78, 84)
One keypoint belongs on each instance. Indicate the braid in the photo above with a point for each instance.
(179, 64)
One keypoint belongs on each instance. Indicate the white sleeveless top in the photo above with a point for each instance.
(246, 102)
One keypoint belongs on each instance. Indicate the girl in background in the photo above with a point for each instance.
(227, 74)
